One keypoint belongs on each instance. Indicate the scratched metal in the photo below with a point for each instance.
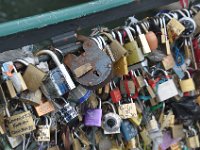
(99, 60)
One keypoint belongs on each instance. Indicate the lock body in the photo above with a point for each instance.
(187, 85)
(127, 110)
(115, 94)
(128, 130)
(44, 108)
(121, 67)
(193, 142)
(93, 117)
(43, 133)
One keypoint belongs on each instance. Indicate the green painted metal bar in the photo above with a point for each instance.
(61, 15)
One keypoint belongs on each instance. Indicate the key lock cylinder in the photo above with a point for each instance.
(58, 81)
(111, 121)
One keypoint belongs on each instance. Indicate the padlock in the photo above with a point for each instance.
(177, 131)
(32, 76)
(127, 110)
(93, 116)
(2, 125)
(149, 89)
(187, 85)
(117, 49)
(67, 112)
(192, 141)
(134, 52)
(4, 145)
(174, 28)
(55, 147)
(152, 125)
(21, 123)
(175, 146)
(128, 130)
(10, 92)
(151, 37)
(127, 86)
(32, 98)
(14, 141)
(79, 93)
(121, 67)
(44, 108)
(111, 121)
(115, 93)
(165, 89)
(10, 72)
(58, 81)
(145, 137)
(43, 131)
(143, 41)
(139, 78)
(168, 62)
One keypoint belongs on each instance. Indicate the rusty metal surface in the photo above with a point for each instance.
(101, 63)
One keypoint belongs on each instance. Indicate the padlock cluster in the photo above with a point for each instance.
(133, 87)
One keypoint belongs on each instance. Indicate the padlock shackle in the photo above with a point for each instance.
(138, 29)
(99, 102)
(129, 34)
(107, 35)
(24, 62)
(109, 103)
(120, 38)
(51, 54)
(165, 73)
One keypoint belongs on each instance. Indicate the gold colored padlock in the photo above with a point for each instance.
(121, 67)
(187, 85)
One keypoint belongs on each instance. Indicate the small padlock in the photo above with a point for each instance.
(139, 78)
(127, 86)
(67, 112)
(165, 89)
(43, 131)
(187, 85)
(168, 62)
(115, 93)
(145, 137)
(55, 147)
(121, 67)
(58, 81)
(134, 52)
(79, 93)
(152, 125)
(44, 108)
(192, 141)
(32, 98)
(14, 141)
(177, 131)
(10, 72)
(93, 116)
(21, 123)
(127, 110)
(117, 49)
(111, 121)
(32, 76)
(128, 130)
(143, 41)
(10, 90)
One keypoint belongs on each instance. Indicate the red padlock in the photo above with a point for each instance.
(115, 93)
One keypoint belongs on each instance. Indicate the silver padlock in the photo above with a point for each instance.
(58, 81)
(111, 121)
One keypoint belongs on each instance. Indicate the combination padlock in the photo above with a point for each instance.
(111, 121)
(93, 116)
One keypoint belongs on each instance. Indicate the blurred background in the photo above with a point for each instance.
(14, 9)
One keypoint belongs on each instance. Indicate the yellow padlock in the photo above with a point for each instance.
(187, 85)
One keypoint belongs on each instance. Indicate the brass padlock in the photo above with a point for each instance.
(21, 123)
(192, 141)
(177, 131)
(187, 85)
(10, 92)
(145, 137)
(32, 98)
(121, 67)
(168, 62)
(33, 76)
(117, 49)
(134, 52)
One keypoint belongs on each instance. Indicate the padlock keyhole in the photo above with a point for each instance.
(111, 123)
(96, 73)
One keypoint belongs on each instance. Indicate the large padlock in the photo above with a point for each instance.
(10, 72)
(67, 112)
(115, 93)
(111, 121)
(128, 130)
(93, 116)
(79, 94)
(58, 81)
(93, 68)
(187, 85)
(165, 89)
(43, 131)
(192, 141)
(134, 52)
(32, 76)
(21, 123)
(127, 110)
(117, 49)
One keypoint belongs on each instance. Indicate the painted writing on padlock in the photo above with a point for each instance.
(111, 121)
(93, 116)
(127, 110)
(115, 93)
(58, 81)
